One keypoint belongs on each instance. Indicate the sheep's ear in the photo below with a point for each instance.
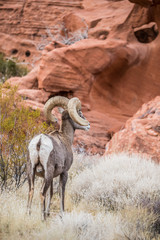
(60, 110)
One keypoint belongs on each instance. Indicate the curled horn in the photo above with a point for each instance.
(53, 102)
(74, 105)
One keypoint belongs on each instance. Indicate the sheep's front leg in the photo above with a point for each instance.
(62, 185)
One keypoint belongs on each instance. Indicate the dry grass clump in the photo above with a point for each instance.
(130, 184)
(15, 224)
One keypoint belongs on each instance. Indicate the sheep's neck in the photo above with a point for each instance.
(68, 131)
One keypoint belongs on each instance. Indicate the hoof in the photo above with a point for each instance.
(43, 217)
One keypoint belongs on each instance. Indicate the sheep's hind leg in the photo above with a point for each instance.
(62, 184)
(31, 178)
(49, 198)
(47, 183)
(28, 203)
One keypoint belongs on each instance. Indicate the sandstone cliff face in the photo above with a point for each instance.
(26, 26)
(105, 53)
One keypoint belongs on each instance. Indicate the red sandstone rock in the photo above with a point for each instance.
(146, 3)
(112, 72)
(73, 23)
(141, 133)
(23, 49)
(34, 105)
(27, 82)
(34, 94)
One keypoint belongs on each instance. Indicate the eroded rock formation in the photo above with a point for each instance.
(113, 72)
(141, 133)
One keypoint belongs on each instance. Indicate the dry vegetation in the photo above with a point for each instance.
(9, 67)
(115, 198)
(17, 126)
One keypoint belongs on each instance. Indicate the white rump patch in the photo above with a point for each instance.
(33, 153)
(46, 147)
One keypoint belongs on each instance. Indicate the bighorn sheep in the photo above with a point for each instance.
(53, 153)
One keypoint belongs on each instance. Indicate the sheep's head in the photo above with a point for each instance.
(72, 111)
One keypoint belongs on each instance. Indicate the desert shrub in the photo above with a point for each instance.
(116, 182)
(138, 223)
(81, 162)
(10, 68)
(59, 33)
(18, 125)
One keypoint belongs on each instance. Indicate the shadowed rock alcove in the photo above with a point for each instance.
(146, 33)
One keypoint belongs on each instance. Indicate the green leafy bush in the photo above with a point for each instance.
(10, 68)
(17, 126)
